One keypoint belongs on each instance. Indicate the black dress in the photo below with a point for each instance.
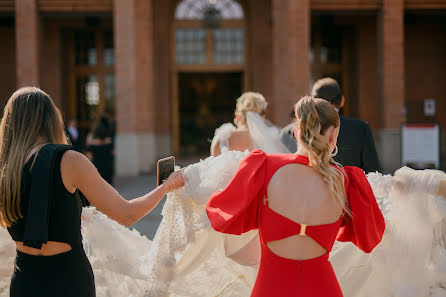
(102, 154)
(51, 213)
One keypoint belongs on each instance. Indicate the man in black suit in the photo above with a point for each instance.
(355, 141)
(356, 146)
(287, 135)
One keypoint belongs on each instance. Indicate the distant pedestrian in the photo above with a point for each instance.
(356, 146)
(73, 134)
(100, 144)
(287, 135)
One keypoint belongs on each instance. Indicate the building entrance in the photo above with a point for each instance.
(206, 100)
(209, 71)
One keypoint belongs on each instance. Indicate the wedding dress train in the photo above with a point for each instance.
(187, 258)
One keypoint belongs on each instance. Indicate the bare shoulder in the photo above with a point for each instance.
(240, 140)
(74, 160)
(239, 135)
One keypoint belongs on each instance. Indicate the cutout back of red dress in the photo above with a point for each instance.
(275, 226)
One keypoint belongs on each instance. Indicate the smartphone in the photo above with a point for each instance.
(164, 168)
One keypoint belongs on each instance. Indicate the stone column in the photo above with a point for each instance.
(291, 63)
(27, 42)
(391, 82)
(135, 87)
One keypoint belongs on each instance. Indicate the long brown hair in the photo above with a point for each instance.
(30, 120)
(314, 116)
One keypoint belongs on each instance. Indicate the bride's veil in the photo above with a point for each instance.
(264, 134)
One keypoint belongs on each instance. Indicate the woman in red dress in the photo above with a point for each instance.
(301, 203)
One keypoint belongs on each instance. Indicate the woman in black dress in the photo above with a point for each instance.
(40, 181)
(101, 148)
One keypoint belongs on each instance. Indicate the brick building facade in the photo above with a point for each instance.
(170, 79)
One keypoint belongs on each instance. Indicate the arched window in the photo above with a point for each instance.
(198, 44)
(195, 9)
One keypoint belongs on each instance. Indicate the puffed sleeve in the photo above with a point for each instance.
(366, 226)
(233, 210)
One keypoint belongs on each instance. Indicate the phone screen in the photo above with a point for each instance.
(165, 167)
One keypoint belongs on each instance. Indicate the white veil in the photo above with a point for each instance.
(264, 134)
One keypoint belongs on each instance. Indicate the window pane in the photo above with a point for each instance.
(109, 51)
(85, 48)
(92, 91)
(190, 46)
(109, 94)
(194, 9)
(228, 46)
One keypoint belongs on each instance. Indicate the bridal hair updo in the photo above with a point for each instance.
(30, 120)
(249, 101)
(314, 117)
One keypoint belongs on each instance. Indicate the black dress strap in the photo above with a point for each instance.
(39, 205)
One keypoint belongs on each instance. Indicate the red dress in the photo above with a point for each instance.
(242, 206)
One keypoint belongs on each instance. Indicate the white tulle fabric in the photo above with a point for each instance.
(187, 258)
(411, 259)
(264, 134)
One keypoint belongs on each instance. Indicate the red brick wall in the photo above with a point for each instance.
(134, 69)
(391, 63)
(27, 30)
(259, 52)
(367, 80)
(7, 62)
(291, 65)
(425, 62)
(51, 61)
(162, 49)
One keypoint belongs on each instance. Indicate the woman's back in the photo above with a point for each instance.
(233, 139)
(240, 140)
(290, 195)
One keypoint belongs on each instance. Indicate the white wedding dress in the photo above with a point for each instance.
(188, 258)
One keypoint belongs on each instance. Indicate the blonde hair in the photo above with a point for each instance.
(314, 116)
(249, 101)
(30, 120)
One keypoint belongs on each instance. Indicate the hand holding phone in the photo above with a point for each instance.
(164, 168)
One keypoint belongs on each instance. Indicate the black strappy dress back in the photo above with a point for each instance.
(51, 213)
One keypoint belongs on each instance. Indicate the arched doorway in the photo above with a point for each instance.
(209, 61)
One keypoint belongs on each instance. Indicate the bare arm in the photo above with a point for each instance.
(442, 188)
(79, 173)
(215, 148)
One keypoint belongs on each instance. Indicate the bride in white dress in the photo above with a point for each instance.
(251, 131)
(188, 258)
